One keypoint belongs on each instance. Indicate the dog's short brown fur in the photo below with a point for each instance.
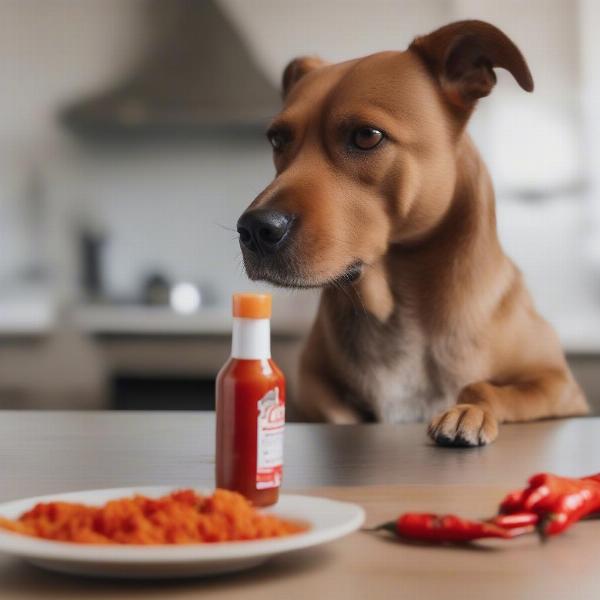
(422, 316)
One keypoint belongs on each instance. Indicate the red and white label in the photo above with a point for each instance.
(269, 447)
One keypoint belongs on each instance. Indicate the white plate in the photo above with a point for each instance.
(328, 521)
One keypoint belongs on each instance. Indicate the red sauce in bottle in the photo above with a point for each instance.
(250, 407)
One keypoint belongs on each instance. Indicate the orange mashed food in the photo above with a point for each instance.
(182, 517)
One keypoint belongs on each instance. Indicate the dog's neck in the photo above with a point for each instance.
(445, 271)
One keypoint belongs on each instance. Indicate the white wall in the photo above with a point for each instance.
(52, 50)
(49, 53)
(279, 30)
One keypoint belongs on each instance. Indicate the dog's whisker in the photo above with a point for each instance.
(364, 308)
(226, 227)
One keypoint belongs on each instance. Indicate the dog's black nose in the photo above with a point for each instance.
(263, 230)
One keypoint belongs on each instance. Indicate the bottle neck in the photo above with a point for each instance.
(251, 339)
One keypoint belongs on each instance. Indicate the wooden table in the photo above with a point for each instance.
(385, 468)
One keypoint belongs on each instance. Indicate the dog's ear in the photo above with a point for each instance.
(297, 69)
(463, 55)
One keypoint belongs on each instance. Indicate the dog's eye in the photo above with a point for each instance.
(276, 139)
(366, 138)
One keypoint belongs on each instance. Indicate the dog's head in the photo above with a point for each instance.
(365, 153)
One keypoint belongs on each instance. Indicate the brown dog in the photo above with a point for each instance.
(382, 200)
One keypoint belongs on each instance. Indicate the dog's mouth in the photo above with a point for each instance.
(280, 274)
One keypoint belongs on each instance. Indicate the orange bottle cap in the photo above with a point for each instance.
(252, 306)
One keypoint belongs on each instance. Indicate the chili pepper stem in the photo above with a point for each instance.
(390, 527)
(541, 529)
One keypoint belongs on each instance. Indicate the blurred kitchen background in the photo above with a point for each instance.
(131, 138)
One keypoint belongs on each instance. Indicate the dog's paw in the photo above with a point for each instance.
(464, 425)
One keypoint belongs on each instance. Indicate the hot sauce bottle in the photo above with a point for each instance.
(250, 406)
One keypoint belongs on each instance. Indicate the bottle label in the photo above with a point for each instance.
(269, 447)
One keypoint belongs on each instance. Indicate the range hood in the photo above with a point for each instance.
(196, 77)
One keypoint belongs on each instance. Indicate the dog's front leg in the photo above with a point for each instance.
(319, 401)
(320, 398)
(474, 420)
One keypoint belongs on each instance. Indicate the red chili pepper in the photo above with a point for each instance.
(550, 504)
(430, 527)
(512, 503)
(516, 520)
(559, 502)
(593, 477)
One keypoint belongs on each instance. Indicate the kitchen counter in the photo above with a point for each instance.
(98, 319)
(27, 313)
(37, 314)
(385, 468)
(579, 334)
